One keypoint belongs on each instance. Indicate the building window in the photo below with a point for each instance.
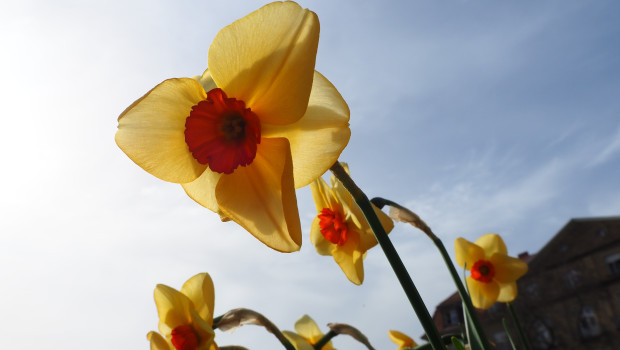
(533, 291)
(613, 263)
(571, 278)
(500, 338)
(543, 335)
(588, 323)
(451, 317)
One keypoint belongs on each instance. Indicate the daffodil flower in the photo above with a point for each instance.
(257, 124)
(402, 340)
(186, 316)
(493, 273)
(340, 229)
(308, 334)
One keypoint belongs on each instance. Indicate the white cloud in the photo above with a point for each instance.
(609, 150)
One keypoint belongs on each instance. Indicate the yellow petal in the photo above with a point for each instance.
(261, 197)
(267, 60)
(152, 130)
(507, 268)
(297, 341)
(467, 253)
(483, 295)
(350, 259)
(367, 237)
(322, 195)
(492, 243)
(199, 289)
(507, 292)
(202, 190)
(157, 341)
(307, 328)
(173, 308)
(401, 339)
(319, 137)
(322, 245)
(204, 331)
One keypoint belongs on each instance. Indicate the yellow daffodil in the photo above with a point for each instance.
(308, 333)
(493, 273)
(298, 342)
(402, 340)
(185, 317)
(340, 229)
(257, 124)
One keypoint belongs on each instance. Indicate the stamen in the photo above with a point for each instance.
(184, 338)
(222, 133)
(483, 271)
(333, 227)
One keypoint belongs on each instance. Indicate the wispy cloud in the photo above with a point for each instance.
(609, 150)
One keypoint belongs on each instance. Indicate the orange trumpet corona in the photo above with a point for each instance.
(222, 133)
(333, 227)
(184, 338)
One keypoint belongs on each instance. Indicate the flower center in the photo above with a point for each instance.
(483, 271)
(184, 338)
(333, 227)
(222, 133)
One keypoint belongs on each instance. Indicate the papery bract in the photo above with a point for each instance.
(257, 124)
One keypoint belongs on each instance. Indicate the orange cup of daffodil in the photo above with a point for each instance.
(493, 273)
(259, 123)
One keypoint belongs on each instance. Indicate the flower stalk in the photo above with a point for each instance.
(393, 258)
(507, 330)
(326, 338)
(522, 336)
(400, 213)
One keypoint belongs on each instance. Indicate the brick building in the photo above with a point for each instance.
(570, 297)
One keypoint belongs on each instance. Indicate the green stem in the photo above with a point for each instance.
(393, 258)
(507, 330)
(326, 338)
(470, 313)
(524, 339)
(446, 338)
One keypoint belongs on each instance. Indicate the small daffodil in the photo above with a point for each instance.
(402, 340)
(186, 316)
(259, 123)
(340, 229)
(493, 273)
(308, 333)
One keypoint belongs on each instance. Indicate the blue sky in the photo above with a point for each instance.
(481, 116)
